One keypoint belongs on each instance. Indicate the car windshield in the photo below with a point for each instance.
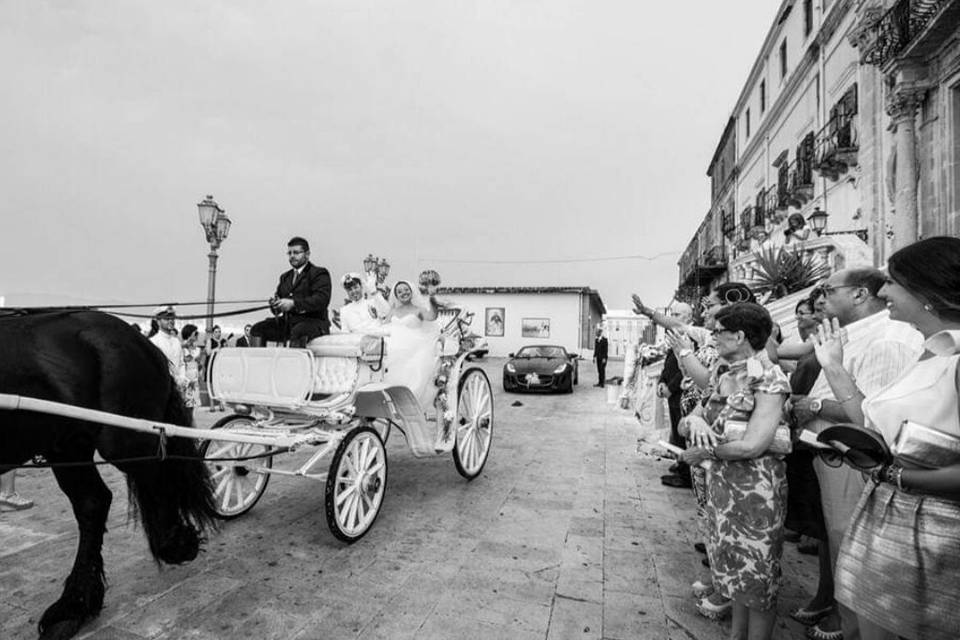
(541, 352)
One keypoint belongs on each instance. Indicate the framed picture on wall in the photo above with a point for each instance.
(535, 327)
(493, 318)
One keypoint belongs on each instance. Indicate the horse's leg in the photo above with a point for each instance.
(82, 596)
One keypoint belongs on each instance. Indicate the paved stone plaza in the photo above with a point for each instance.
(566, 534)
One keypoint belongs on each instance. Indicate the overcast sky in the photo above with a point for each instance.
(428, 131)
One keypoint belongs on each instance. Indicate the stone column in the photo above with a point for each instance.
(903, 100)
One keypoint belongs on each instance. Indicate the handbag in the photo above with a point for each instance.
(781, 444)
(924, 447)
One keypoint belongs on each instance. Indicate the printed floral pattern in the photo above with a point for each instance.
(746, 499)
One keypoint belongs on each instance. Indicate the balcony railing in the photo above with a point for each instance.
(700, 270)
(898, 27)
(836, 145)
(783, 187)
(728, 223)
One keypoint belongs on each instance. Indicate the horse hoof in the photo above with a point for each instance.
(183, 545)
(60, 630)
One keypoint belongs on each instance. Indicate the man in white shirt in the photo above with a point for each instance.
(877, 352)
(167, 340)
(366, 311)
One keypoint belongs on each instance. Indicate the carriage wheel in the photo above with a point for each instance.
(355, 484)
(237, 486)
(474, 423)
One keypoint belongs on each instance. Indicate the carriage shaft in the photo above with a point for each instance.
(10, 402)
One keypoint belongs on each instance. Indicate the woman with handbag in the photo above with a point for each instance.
(899, 565)
(742, 435)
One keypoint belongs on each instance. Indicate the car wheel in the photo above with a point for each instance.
(569, 387)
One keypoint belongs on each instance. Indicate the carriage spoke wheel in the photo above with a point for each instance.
(355, 484)
(474, 423)
(237, 485)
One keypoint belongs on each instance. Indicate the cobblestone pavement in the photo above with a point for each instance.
(568, 533)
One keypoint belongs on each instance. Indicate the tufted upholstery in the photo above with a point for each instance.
(335, 375)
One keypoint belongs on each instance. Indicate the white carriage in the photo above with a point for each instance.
(333, 395)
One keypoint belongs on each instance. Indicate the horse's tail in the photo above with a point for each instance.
(183, 494)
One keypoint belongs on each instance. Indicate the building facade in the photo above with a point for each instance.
(843, 145)
(624, 329)
(512, 317)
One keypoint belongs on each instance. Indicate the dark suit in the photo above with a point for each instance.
(672, 376)
(600, 355)
(308, 318)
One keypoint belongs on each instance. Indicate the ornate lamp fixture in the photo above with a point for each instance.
(818, 220)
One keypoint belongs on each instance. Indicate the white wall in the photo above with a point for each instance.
(562, 309)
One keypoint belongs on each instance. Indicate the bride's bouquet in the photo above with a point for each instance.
(651, 353)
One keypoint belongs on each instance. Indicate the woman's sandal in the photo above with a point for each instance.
(701, 589)
(816, 633)
(808, 617)
(714, 606)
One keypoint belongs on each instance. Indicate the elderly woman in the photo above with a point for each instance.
(741, 432)
(898, 565)
(697, 356)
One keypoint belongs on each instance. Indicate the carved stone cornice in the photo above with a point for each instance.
(864, 34)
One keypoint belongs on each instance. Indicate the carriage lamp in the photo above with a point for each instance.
(370, 263)
(383, 270)
(216, 226)
(818, 220)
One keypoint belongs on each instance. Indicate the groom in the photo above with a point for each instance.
(300, 302)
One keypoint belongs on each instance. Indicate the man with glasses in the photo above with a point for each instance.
(300, 302)
(878, 350)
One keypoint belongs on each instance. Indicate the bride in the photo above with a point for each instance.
(413, 340)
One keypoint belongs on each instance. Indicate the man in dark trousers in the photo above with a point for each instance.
(669, 388)
(300, 302)
(600, 355)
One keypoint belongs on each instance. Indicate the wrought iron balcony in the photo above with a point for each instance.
(728, 223)
(837, 144)
(700, 270)
(783, 187)
(896, 28)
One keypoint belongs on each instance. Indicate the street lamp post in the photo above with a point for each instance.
(216, 225)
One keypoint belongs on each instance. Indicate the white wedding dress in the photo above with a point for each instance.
(413, 348)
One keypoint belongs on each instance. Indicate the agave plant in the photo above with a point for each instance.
(782, 272)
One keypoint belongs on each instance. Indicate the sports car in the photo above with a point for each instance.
(541, 368)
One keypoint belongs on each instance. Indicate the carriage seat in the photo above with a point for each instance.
(347, 345)
(338, 357)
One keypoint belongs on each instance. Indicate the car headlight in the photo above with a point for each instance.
(561, 368)
(509, 367)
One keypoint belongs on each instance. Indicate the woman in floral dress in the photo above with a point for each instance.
(742, 433)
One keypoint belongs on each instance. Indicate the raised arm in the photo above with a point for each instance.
(660, 318)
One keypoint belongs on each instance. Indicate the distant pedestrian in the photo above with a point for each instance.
(192, 356)
(244, 340)
(167, 340)
(600, 357)
(214, 342)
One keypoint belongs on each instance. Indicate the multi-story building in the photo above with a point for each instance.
(849, 121)
(909, 54)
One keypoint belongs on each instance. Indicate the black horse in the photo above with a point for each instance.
(94, 360)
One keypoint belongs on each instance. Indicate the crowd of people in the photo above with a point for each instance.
(878, 353)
